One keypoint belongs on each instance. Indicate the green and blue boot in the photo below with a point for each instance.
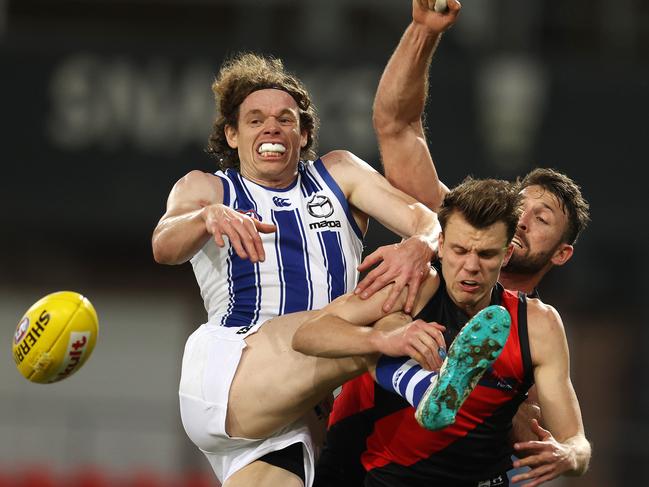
(475, 348)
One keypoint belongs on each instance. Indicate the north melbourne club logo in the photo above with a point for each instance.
(320, 206)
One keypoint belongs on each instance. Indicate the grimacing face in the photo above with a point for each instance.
(537, 242)
(268, 137)
(471, 261)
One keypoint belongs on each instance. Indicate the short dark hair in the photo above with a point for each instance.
(238, 78)
(572, 202)
(483, 202)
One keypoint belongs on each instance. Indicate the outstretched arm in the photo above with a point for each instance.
(407, 162)
(194, 213)
(562, 448)
(400, 101)
(369, 193)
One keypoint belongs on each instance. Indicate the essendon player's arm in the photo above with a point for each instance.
(399, 107)
(350, 326)
(522, 421)
(562, 449)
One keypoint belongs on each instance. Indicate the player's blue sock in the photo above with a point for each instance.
(404, 376)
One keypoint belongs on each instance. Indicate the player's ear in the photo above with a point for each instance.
(562, 254)
(440, 245)
(304, 138)
(231, 136)
(508, 254)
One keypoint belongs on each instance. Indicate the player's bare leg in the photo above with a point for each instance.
(262, 474)
(274, 385)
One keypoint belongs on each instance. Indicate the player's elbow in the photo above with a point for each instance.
(163, 253)
(161, 256)
(385, 125)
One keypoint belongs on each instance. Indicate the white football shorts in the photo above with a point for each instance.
(212, 355)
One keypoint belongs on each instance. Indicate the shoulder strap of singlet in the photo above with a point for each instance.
(226, 189)
(308, 183)
(338, 192)
(523, 337)
(426, 313)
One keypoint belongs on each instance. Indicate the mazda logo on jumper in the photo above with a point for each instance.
(320, 206)
(281, 202)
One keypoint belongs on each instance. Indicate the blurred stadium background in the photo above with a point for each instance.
(105, 104)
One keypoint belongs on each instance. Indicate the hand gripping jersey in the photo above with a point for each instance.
(310, 260)
(395, 450)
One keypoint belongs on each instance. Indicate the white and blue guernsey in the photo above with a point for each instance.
(310, 260)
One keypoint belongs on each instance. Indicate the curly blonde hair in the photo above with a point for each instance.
(242, 75)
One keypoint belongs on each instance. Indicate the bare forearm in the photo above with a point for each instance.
(398, 111)
(401, 94)
(177, 238)
(425, 224)
(419, 229)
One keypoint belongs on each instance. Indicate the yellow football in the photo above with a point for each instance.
(55, 337)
